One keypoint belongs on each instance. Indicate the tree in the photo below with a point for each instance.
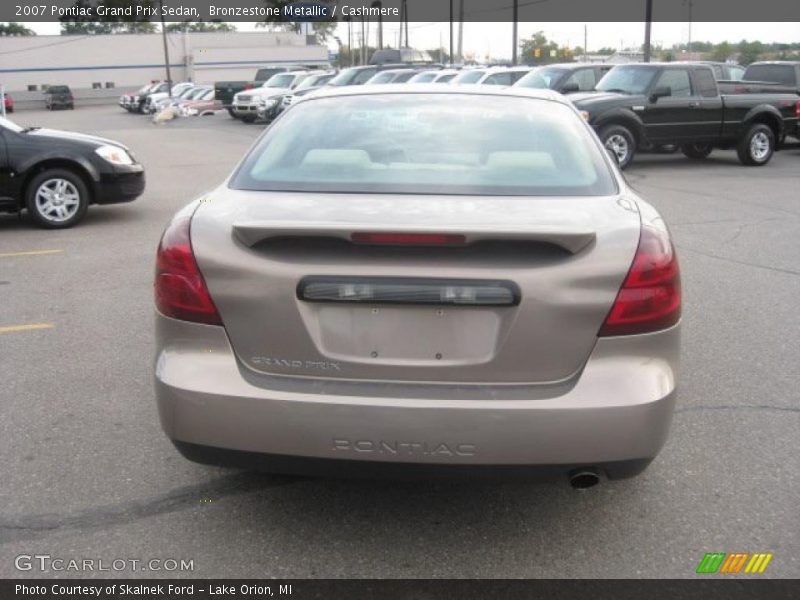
(435, 53)
(538, 50)
(721, 52)
(666, 56)
(749, 51)
(99, 25)
(201, 26)
(15, 29)
(606, 51)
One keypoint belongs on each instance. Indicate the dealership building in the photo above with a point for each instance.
(101, 67)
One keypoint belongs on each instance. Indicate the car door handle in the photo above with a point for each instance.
(694, 105)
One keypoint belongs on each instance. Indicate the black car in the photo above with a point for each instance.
(58, 96)
(56, 175)
(565, 78)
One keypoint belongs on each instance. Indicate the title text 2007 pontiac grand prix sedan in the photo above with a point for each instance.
(427, 279)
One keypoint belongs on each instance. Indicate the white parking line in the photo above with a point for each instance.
(27, 327)
(29, 253)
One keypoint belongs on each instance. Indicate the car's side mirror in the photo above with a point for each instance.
(660, 92)
(569, 88)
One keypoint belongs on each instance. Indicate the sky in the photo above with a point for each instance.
(494, 39)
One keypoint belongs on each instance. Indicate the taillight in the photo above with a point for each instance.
(650, 297)
(248, 87)
(797, 109)
(408, 239)
(180, 290)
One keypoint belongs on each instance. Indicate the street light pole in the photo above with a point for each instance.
(166, 49)
(378, 4)
(514, 33)
(451, 32)
(648, 21)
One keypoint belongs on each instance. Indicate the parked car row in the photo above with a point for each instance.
(279, 92)
(188, 99)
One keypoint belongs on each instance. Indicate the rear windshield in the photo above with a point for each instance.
(783, 74)
(627, 80)
(58, 89)
(384, 77)
(542, 79)
(469, 76)
(353, 76)
(423, 78)
(428, 144)
(283, 80)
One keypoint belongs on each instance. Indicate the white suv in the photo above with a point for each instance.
(247, 103)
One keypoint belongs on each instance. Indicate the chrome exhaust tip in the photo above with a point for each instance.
(581, 479)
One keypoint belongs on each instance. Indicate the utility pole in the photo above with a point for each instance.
(690, 25)
(403, 22)
(586, 41)
(514, 33)
(648, 21)
(378, 4)
(166, 49)
(363, 49)
(349, 42)
(405, 12)
(451, 32)
(461, 31)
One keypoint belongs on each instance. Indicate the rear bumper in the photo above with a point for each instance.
(329, 467)
(614, 415)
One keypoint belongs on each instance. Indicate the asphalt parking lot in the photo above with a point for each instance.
(88, 473)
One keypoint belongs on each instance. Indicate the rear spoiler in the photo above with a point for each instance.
(570, 239)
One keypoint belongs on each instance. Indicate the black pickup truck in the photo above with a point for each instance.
(639, 106)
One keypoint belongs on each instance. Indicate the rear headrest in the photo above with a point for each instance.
(337, 157)
(539, 161)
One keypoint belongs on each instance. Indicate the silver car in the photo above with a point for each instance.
(426, 278)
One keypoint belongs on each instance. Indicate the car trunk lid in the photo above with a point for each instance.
(339, 286)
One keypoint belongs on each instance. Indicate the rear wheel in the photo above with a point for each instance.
(620, 141)
(697, 151)
(757, 146)
(57, 198)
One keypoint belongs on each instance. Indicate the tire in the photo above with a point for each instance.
(666, 149)
(697, 151)
(620, 141)
(66, 185)
(232, 114)
(757, 146)
(248, 120)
